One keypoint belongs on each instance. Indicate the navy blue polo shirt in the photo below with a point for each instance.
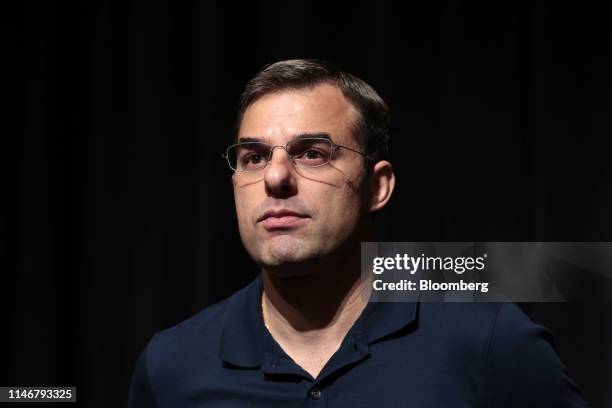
(395, 355)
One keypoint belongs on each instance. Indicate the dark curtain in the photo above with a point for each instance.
(118, 216)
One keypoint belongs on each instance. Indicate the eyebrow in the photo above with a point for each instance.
(299, 136)
(250, 140)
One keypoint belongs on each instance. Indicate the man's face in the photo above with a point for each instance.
(291, 215)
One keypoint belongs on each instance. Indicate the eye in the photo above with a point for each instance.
(310, 152)
(252, 158)
(313, 154)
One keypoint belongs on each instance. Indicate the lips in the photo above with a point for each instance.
(281, 219)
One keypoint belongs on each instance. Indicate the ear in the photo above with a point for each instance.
(382, 183)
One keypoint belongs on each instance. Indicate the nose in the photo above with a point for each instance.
(279, 174)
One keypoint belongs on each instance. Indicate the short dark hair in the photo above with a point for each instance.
(373, 126)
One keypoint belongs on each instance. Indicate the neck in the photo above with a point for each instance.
(328, 300)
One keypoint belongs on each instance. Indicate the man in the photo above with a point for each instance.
(310, 170)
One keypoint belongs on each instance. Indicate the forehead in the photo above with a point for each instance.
(279, 116)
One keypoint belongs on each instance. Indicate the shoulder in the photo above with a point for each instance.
(170, 352)
(197, 336)
(491, 331)
(523, 367)
(462, 325)
(186, 355)
(500, 321)
(497, 329)
(189, 346)
(513, 358)
(200, 330)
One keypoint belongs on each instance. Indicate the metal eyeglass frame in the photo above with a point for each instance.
(335, 147)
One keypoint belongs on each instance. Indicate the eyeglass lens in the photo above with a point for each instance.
(306, 152)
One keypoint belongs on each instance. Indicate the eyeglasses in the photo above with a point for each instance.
(303, 152)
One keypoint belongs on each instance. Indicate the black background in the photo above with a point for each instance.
(121, 219)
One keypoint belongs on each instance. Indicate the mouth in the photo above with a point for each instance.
(281, 219)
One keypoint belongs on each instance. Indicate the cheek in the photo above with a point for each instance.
(341, 209)
(242, 211)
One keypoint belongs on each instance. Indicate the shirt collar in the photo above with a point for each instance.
(245, 341)
(381, 319)
(244, 338)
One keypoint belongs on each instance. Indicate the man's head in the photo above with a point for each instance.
(372, 124)
(293, 216)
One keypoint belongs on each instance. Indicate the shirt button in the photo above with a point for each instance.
(315, 393)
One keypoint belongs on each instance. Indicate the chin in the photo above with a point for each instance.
(286, 256)
(276, 256)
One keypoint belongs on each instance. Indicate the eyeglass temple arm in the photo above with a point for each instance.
(353, 150)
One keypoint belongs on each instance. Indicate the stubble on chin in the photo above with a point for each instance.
(279, 250)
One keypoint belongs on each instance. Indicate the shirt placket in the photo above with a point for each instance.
(317, 391)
